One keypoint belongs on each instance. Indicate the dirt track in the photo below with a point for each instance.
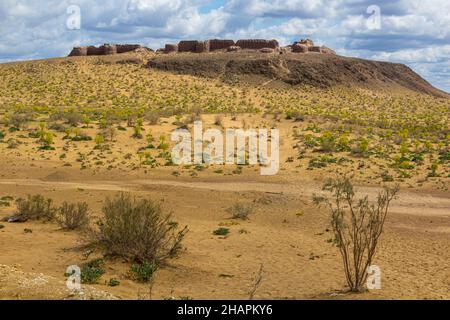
(413, 203)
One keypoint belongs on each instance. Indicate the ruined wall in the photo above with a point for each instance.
(108, 49)
(187, 46)
(94, 51)
(202, 46)
(299, 48)
(306, 42)
(256, 44)
(316, 49)
(169, 48)
(78, 51)
(217, 44)
(105, 49)
(122, 48)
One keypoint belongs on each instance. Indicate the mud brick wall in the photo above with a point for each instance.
(217, 44)
(169, 48)
(187, 46)
(202, 46)
(78, 51)
(122, 48)
(257, 44)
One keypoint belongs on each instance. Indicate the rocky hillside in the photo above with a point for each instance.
(297, 69)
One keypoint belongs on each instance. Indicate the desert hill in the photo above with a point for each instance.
(317, 70)
(83, 128)
(261, 61)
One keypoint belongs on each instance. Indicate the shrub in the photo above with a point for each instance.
(361, 148)
(99, 140)
(137, 132)
(434, 168)
(144, 271)
(327, 142)
(19, 120)
(357, 226)
(35, 207)
(240, 211)
(152, 117)
(57, 127)
(12, 143)
(73, 118)
(137, 230)
(113, 282)
(46, 141)
(298, 117)
(92, 271)
(81, 137)
(73, 216)
(221, 232)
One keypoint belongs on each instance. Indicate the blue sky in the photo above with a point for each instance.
(414, 32)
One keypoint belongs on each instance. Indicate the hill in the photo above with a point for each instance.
(297, 69)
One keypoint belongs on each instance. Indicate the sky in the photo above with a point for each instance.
(414, 32)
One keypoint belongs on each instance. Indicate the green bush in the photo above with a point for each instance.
(221, 232)
(327, 142)
(92, 271)
(143, 272)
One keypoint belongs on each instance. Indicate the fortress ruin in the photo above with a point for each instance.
(214, 45)
(105, 49)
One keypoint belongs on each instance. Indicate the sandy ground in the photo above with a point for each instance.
(287, 234)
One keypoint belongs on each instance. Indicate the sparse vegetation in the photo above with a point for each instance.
(92, 271)
(221, 232)
(35, 207)
(357, 225)
(240, 211)
(73, 216)
(137, 230)
(144, 271)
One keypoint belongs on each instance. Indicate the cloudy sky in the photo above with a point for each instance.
(415, 32)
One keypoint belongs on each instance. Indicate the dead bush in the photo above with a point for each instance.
(137, 230)
(19, 120)
(357, 226)
(73, 216)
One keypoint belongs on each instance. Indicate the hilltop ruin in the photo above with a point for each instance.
(262, 45)
(106, 49)
(213, 45)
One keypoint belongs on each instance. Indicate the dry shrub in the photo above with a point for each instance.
(137, 230)
(35, 207)
(152, 117)
(73, 216)
(19, 120)
(357, 226)
(73, 118)
(240, 211)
